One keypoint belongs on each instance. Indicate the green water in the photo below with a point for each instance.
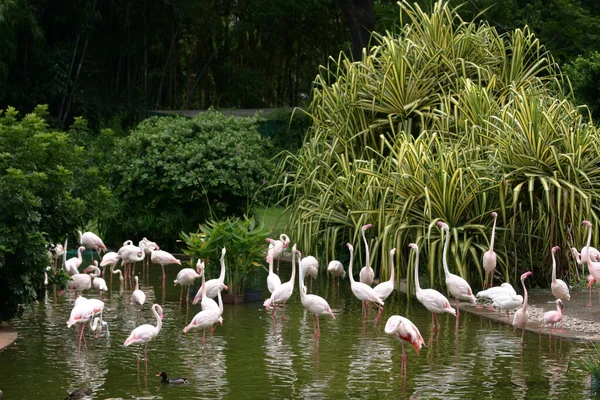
(250, 357)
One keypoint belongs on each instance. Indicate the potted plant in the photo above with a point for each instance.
(591, 364)
(245, 242)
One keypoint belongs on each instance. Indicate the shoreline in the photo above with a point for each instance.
(8, 335)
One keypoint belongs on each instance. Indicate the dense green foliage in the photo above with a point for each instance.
(170, 174)
(446, 120)
(244, 240)
(43, 196)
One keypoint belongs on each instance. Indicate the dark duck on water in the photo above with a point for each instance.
(172, 381)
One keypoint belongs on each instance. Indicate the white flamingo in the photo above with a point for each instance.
(336, 269)
(489, 258)
(163, 258)
(145, 333)
(138, 297)
(310, 265)
(315, 305)
(98, 283)
(508, 303)
(560, 290)
(367, 274)
(214, 286)
(458, 287)
(433, 300)
(206, 318)
(186, 278)
(79, 282)
(81, 313)
(283, 293)
(384, 289)
(493, 292)
(593, 266)
(273, 280)
(92, 241)
(521, 315)
(276, 248)
(365, 293)
(71, 266)
(130, 254)
(406, 332)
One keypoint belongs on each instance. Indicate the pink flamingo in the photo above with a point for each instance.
(365, 293)
(206, 318)
(316, 305)
(552, 317)
(458, 287)
(82, 313)
(336, 269)
(593, 266)
(214, 285)
(310, 265)
(560, 290)
(273, 280)
(110, 260)
(71, 266)
(206, 303)
(79, 282)
(433, 300)
(283, 293)
(406, 332)
(144, 333)
(489, 258)
(92, 241)
(186, 278)
(138, 297)
(521, 315)
(276, 248)
(130, 254)
(163, 258)
(384, 289)
(366, 275)
(98, 283)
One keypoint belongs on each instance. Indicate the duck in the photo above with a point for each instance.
(79, 393)
(172, 381)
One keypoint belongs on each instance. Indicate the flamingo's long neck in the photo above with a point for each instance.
(158, 320)
(417, 286)
(493, 234)
(65, 255)
(300, 280)
(96, 272)
(524, 294)
(222, 275)
(79, 255)
(203, 285)
(350, 266)
(553, 268)
(293, 265)
(271, 265)
(558, 310)
(393, 268)
(586, 254)
(220, 300)
(444, 253)
(137, 285)
(367, 256)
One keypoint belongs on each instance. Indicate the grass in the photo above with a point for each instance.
(274, 218)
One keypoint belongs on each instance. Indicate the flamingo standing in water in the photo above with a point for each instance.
(130, 254)
(206, 318)
(552, 317)
(315, 305)
(82, 313)
(336, 269)
(283, 293)
(214, 286)
(163, 258)
(138, 297)
(458, 287)
(384, 289)
(71, 266)
(489, 258)
(98, 283)
(593, 266)
(365, 293)
(92, 241)
(367, 275)
(79, 282)
(406, 332)
(276, 248)
(273, 280)
(433, 300)
(186, 278)
(560, 290)
(144, 333)
(310, 265)
(521, 315)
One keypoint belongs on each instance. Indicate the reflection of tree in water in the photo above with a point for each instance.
(279, 359)
(370, 362)
(207, 365)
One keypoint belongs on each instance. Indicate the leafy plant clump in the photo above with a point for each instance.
(244, 241)
(173, 173)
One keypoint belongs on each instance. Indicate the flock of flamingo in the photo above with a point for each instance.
(503, 297)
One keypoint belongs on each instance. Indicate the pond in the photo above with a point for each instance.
(250, 356)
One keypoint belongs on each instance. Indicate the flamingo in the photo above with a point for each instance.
(384, 289)
(206, 318)
(406, 332)
(593, 266)
(163, 258)
(316, 305)
(92, 241)
(186, 277)
(283, 293)
(276, 248)
(362, 291)
(493, 292)
(144, 333)
(310, 265)
(521, 315)
(97, 282)
(98, 308)
(433, 300)
(273, 281)
(138, 297)
(489, 258)
(367, 274)
(147, 246)
(109, 260)
(71, 266)
(508, 303)
(214, 285)
(56, 251)
(560, 290)
(336, 269)
(81, 313)
(458, 287)
(79, 282)
(552, 317)
(130, 254)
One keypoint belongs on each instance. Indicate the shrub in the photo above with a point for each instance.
(171, 174)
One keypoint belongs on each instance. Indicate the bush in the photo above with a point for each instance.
(171, 174)
(41, 199)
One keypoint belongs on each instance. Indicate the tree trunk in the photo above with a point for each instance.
(359, 16)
